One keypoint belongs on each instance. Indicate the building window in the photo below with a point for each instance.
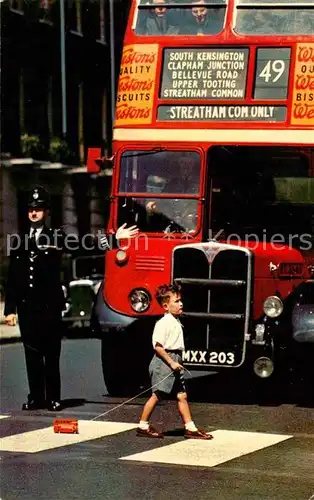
(94, 17)
(34, 99)
(75, 16)
(81, 123)
(22, 103)
(17, 6)
(102, 37)
(104, 117)
(45, 15)
(50, 107)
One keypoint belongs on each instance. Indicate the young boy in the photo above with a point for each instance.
(166, 368)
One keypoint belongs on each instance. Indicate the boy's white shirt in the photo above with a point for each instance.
(168, 332)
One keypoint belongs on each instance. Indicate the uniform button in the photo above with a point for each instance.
(31, 285)
(31, 277)
(31, 268)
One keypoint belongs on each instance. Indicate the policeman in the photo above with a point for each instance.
(34, 292)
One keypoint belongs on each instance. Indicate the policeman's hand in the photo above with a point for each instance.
(176, 367)
(124, 232)
(10, 319)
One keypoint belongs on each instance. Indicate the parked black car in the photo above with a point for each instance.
(80, 291)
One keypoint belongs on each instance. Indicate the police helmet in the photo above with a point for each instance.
(38, 198)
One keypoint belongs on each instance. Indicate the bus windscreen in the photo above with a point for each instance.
(171, 183)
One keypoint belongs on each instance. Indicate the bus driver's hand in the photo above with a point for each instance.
(10, 319)
(151, 207)
(124, 232)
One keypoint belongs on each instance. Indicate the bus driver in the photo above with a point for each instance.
(184, 181)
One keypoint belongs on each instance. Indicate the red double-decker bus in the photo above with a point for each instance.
(214, 162)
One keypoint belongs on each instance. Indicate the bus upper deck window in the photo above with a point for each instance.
(278, 17)
(177, 17)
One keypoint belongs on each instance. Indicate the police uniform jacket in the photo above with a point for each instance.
(34, 272)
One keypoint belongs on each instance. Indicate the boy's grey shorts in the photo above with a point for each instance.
(158, 370)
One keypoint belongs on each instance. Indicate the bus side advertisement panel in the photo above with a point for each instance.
(303, 86)
(135, 96)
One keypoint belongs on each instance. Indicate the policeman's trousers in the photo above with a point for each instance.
(41, 335)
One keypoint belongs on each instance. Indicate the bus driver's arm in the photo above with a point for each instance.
(160, 351)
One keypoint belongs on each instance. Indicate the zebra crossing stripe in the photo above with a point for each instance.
(225, 446)
(46, 439)
(1, 417)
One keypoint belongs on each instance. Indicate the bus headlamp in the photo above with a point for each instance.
(273, 306)
(139, 300)
(263, 367)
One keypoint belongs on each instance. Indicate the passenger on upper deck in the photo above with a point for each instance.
(201, 21)
(158, 21)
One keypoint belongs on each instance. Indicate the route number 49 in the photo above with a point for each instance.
(273, 70)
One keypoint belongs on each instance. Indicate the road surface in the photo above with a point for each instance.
(258, 451)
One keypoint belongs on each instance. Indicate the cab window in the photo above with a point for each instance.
(171, 183)
(175, 172)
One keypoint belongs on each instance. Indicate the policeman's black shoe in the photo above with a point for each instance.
(33, 404)
(54, 406)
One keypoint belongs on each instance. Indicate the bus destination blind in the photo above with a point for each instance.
(204, 73)
(211, 113)
(221, 74)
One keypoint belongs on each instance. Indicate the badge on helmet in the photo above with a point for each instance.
(38, 198)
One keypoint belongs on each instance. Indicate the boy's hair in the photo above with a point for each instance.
(164, 292)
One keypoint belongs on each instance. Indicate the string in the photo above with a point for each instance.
(134, 397)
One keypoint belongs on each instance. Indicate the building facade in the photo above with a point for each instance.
(57, 66)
